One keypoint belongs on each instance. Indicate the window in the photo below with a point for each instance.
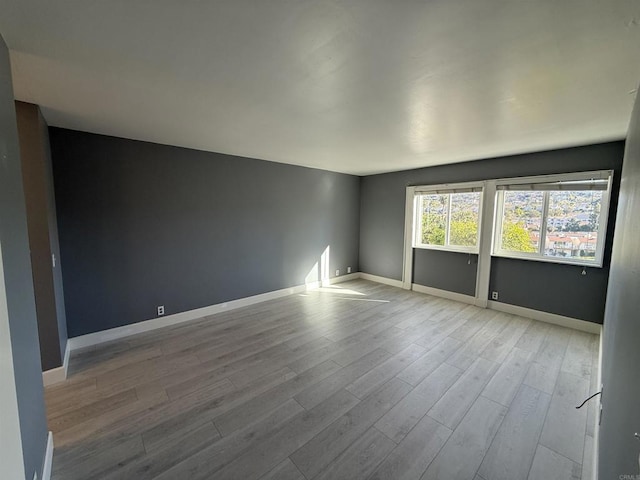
(521, 221)
(448, 220)
(562, 220)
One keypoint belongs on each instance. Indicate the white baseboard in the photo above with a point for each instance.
(65, 362)
(547, 317)
(53, 376)
(59, 374)
(345, 278)
(331, 281)
(97, 338)
(48, 458)
(436, 292)
(103, 336)
(387, 281)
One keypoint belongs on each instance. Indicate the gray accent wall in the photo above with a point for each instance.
(143, 225)
(18, 282)
(43, 234)
(617, 447)
(382, 231)
(559, 288)
(451, 271)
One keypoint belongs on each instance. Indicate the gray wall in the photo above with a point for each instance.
(43, 237)
(18, 282)
(551, 287)
(618, 449)
(143, 225)
(382, 230)
(450, 271)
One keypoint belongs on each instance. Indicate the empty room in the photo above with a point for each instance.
(317, 240)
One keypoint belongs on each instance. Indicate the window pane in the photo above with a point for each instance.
(465, 215)
(572, 224)
(434, 218)
(521, 221)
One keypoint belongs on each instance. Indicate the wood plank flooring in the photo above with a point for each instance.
(354, 381)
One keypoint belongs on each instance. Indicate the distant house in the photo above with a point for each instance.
(571, 244)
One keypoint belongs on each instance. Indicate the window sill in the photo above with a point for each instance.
(471, 251)
(534, 258)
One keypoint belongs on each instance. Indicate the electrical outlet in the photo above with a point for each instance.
(160, 310)
(494, 295)
(337, 273)
(348, 269)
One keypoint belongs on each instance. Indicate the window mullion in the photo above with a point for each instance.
(448, 226)
(543, 224)
(417, 220)
(498, 221)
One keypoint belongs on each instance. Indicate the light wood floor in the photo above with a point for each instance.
(356, 381)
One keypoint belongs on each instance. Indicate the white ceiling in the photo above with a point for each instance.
(356, 86)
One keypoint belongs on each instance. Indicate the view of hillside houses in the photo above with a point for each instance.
(571, 227)
(570, 222)
(460, 210)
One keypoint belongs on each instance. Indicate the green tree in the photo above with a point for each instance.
(463, 232)
(594, 216)
(433, 229)
(572, 226)
(516, 238)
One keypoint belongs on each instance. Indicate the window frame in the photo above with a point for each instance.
(497, 251)
(467, 187)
